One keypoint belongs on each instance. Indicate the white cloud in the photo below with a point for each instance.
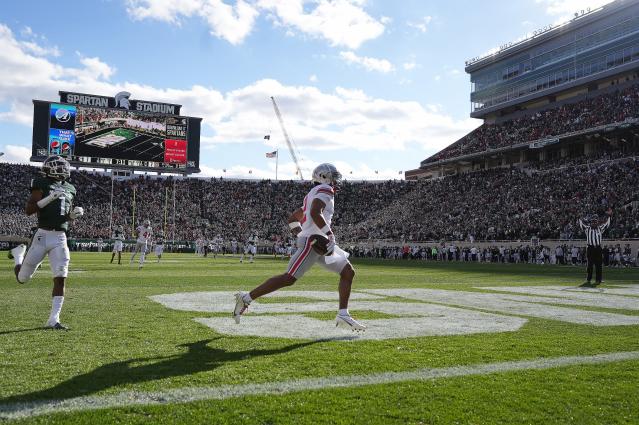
(567, 8)
(313, 78)
(15, 154)
(562, 10)
(370, 64)
(231, 23)
(345, 119)
(385, 20)
(26, 31)
(421, 24)
(409, 66)
(341, 22)
(29, 43)
(38, 50)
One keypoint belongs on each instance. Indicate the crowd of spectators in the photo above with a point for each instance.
(498, 204)
(608, 108)
(564, 254)
(510, 204)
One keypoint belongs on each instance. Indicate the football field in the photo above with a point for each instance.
(447, 343)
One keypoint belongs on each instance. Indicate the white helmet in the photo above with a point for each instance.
(147, 223)
(327, 173)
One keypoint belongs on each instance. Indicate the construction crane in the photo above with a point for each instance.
(288, 141)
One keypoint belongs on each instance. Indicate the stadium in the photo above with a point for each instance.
(468, 300)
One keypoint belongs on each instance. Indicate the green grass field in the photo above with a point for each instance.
(123, 132)
(130, 359)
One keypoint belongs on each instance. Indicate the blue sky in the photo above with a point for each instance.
(373, 85)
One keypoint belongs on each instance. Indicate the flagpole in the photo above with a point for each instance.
(277, 159)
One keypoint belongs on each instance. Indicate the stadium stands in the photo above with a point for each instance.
(608, 108)
(500, 204)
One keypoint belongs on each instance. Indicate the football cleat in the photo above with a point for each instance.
(240, 306)
(349, 323)
(18, 251)
(57, 326)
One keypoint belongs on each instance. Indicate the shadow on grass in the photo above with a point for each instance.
(15, 331)
(198, 358)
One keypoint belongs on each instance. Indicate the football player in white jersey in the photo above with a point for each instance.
(199, 246)
(144, 233)
(250, 248)
(217, 245)
(118, 240)
(312, 225)
(100, 242)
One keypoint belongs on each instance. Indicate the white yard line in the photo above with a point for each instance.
(186, 395)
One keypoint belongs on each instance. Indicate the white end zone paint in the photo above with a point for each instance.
(415, 319)
(431, 320)
(632, 290)
(511, 304)
(560, 296)
(425, 320)
(224, 302)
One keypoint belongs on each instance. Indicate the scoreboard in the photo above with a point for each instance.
(116, 132)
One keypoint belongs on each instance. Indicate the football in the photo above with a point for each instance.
(319, 244)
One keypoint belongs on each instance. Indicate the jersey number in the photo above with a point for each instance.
(63, 211)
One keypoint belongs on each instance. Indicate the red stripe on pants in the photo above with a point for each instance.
(300, 260)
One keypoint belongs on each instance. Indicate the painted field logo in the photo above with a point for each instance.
(426, 312)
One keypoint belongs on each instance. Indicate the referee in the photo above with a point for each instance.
(594, 238)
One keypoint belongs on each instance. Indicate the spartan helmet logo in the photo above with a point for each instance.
(122, 100)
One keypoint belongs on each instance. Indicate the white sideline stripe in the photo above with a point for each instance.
(187, 395)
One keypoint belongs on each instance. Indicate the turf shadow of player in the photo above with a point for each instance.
(198, 358)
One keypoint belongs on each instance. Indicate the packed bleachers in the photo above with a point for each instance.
(501, 204)
(510, 204)
(608, 108)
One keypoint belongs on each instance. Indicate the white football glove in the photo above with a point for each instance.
(76, 213)
(331, 244)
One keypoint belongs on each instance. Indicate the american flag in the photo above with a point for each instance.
(271, 154)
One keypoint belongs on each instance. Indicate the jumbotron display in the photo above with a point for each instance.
(116, 132)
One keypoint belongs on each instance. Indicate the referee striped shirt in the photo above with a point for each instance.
(593, 236)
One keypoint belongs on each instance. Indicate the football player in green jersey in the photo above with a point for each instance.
(51, 199)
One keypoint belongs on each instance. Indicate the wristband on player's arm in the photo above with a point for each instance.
(48, 199)
(294, 225)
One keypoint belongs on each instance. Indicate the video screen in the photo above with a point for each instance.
(123, 134)
(62, 129)
(116, 138)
